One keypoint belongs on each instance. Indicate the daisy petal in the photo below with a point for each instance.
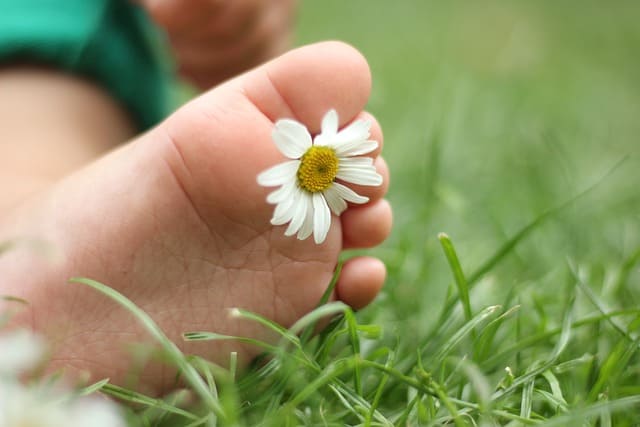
(283, 212)
(330, 123)
(299, 213)
(281, 194)
(291, 138)
(355, 162)
(344, 149)
(21, 350)
(360, 176)
(348, 194)
(321, 218)
(335, 202)
(307, 225)
(279, 174)
(356, 131)
(363, 147)
(348, 139)
(355, 168)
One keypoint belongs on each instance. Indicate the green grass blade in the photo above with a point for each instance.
(379, 390)
(597, 303)
(578, 416)
(199, 422)
(542, 366)
(403, 418)
(269, 324)
(556, 390)
(233, 365)
(570, 365)
(626, 269)
(526, 404)
(172, 351)
(269, 348)
(327, 338)
(212, 336)
(524, 232)
(485, 341)
(324, 299)
(139, 398)
(479, 383)
(615, 363)
(543, 336)
(465, 330)
(326, 376)
(556, 404)
(458, 274)
(355, 348)
(449, 404)
(312, 318)
(92, 388)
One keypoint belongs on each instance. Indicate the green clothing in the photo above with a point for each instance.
(111, 42)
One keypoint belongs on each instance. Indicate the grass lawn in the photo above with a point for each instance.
(513, 128)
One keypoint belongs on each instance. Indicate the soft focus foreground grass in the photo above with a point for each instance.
(527, 311)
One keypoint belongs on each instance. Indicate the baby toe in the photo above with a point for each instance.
(360, 281)
(366, 226)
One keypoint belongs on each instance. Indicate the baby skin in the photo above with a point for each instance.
(175, 221)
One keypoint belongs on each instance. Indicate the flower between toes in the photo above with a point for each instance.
(308, 192)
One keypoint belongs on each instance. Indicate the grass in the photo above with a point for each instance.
(513, 128)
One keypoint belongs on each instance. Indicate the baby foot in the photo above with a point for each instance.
(176, 221)
(213, 41)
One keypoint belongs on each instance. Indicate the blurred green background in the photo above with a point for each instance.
(494, 112)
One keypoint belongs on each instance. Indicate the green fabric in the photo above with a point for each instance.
(109, 41)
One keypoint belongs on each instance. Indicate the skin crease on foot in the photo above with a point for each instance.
(176, 221)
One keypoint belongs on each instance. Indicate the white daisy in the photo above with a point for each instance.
(45, 407)
(43, 404)
(21, 351)
(308, 190)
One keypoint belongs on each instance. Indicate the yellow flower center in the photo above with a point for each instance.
(318, 169)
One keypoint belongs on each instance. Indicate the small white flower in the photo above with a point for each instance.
(308, 190)
(19, 351)
(41, 407)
